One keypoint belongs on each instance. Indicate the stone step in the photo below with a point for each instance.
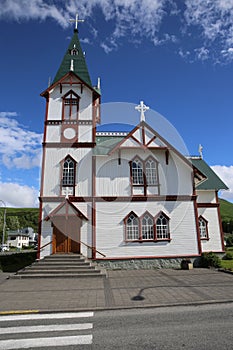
(57, 272)
(65, 275)
(60, 266)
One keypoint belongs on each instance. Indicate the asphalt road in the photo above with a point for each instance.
(175, 328)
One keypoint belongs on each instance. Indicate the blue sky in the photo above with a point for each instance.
(177, 56)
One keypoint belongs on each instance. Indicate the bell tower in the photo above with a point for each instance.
(72, 112)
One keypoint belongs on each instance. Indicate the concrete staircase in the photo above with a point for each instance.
(61, 266)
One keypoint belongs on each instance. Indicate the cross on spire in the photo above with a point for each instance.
(142, 108)
(76, 20)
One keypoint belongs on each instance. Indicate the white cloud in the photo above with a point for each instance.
(15, 195)
(19, 147)
(214, 19)
(226, 174)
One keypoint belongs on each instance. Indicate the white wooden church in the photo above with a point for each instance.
(110, 192)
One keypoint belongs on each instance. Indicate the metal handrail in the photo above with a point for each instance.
(88, 246)
(93, 249)
(45, 245)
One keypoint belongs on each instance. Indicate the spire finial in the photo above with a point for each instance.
(76, 20)
(142, 108)
(200, 149)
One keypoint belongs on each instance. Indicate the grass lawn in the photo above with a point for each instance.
(227, 264)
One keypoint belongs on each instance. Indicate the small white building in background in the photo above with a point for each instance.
(118, 192)
(20, 238)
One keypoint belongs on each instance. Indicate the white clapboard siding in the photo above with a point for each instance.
(206, 196)
(52, 170)
(113, 179)
(214, 243)
(110, 229)
(85, 133)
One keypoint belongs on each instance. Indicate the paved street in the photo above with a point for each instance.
(121, 289)
(202, 327)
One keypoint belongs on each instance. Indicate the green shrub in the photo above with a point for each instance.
(210, 260)
(17, 261)
(228, 256)
(229, 241)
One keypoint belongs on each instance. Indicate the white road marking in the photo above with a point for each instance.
(44, 342)
(60, 315)
(47, 328)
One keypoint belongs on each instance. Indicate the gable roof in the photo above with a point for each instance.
(66, 208)
(79, 63)
(145, 137)
(212, 182)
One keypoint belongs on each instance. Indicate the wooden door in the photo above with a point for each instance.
(66, 235)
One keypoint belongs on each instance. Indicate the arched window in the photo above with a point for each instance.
(151, 172)
(132, 227)
(70, 106)
(203, 227)
(137, 172)
(68, 177)
(147, 227)
(162, 227)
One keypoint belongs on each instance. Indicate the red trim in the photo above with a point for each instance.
(61, 173)
(69, 144)
(220, 222)
(197, 227)
(151, 198)
(39, 231)
(208, 205)
(66, 203)
(93, 211)
(143, 136)
(62, 81)
(151, 140)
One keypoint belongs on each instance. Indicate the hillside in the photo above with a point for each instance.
(226, 209)
(17, 218)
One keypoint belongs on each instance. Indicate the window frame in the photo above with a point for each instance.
(140, 228)
(72, 185)
(145, 183)
(71, 106)
(168, 238)
(206, 237)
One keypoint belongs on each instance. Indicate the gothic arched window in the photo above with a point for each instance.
(70, 106)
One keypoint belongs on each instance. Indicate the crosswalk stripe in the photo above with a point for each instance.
(47, 328)
(46, 316)
(45, 342)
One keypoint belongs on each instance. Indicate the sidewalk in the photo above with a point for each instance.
(122, 289)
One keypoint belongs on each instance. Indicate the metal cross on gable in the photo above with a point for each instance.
(142, 108)
(76, 20)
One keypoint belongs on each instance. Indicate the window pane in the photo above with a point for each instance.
(137, 172)
(203, 228)
(162, 229)
(151, 172)
(132, 228)
(68, 173)
(147, 227)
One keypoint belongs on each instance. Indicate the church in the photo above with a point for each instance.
(118, 192)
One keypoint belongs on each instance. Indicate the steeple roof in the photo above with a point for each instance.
(74, 60)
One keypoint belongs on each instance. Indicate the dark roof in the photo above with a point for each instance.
(104, 144)
(213, 182)
(79, 63)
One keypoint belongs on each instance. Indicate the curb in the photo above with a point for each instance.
(113, 308)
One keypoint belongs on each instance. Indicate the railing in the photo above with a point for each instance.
(88, 246)
(92, 248)
(43, 246)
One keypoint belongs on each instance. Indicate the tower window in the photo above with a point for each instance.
(68, 176)
(70, 106)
